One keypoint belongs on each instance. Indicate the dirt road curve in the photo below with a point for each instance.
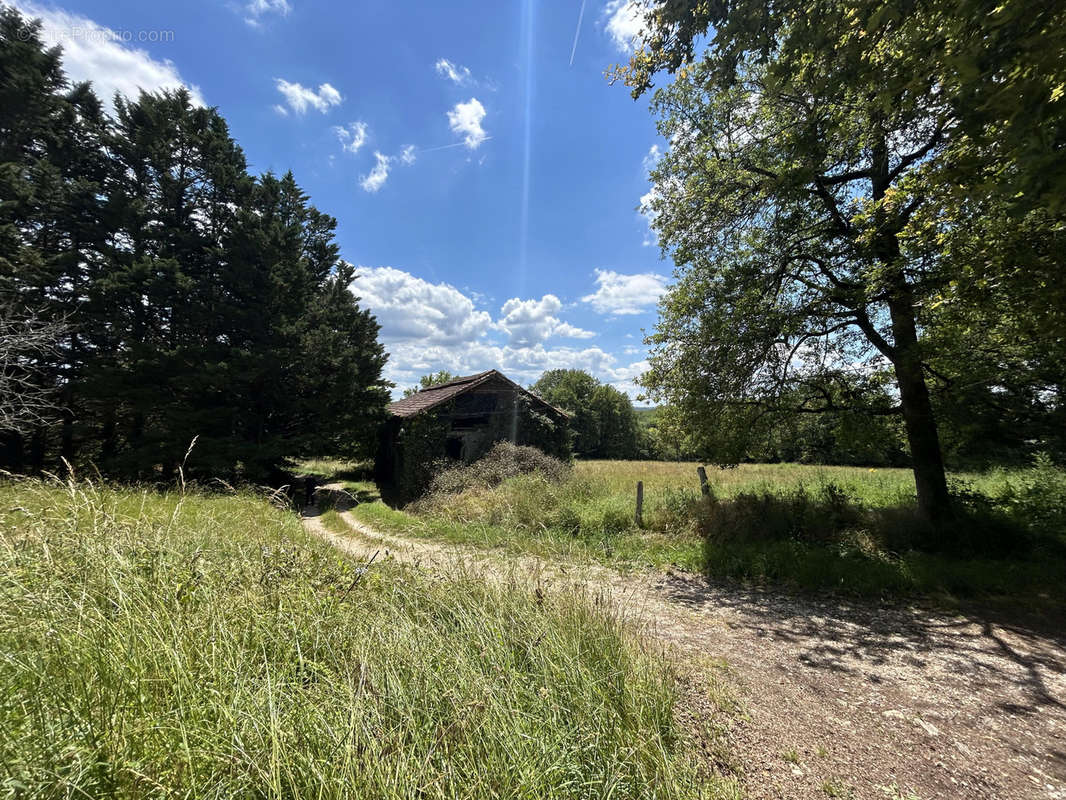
(839, 699)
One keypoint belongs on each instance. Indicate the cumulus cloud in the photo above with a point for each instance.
(353, 137)
(617, 293)
(255, 10)
(429, 326)
(465, 120)
(300, 98)
(624, 22)
(376, 178)
(412, 309)
(527, 322)
(456, 73)
(94, 53)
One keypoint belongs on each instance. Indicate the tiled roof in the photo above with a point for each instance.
(435, 395)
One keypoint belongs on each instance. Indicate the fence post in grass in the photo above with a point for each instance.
(704, 486)
(640, 504)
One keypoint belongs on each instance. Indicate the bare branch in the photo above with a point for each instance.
(26, 399)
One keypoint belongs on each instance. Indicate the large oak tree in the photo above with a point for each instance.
(811, 199)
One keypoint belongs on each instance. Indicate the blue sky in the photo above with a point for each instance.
(485, 185)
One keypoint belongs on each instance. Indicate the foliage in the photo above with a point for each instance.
(429, 381)
(155, 645)
(997, 66)
(601, 417)
(200, 301)
(417, 449)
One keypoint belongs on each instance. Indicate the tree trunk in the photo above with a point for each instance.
(934, 502)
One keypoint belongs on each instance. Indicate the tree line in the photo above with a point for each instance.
(152, 290)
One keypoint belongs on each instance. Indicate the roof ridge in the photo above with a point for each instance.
(454, 381)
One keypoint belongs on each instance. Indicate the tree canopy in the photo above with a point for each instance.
(810, 198)
(602, 419)
(197, 299)
(428, 381)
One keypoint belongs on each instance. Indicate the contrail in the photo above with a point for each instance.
(447, 146)
(577, 33)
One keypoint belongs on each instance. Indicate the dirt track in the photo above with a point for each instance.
(837, 697)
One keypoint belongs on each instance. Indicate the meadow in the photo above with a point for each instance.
(847, 529)
(203, 645)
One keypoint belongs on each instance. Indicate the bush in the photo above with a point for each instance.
(503, 461)
(831, 515)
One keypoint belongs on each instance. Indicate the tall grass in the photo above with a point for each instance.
(195, 646)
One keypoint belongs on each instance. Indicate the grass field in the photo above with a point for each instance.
(205, 646)
(842, 528)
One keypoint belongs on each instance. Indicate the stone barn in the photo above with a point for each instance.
(460, 421)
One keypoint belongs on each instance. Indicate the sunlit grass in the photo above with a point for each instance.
(205, 646)
(590, 516)
(329, 469)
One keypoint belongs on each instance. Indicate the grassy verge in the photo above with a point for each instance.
(823, 528)
(167, 645)
(621, 549)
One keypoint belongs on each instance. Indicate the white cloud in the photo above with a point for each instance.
(257, 9)
(625, 20)
(353, 137)
(527, 322)
(378, 175)
(300, 98)
(407, 155)
(647, 210)
(411, 309)
(465, 119)
(652, 158)
(625, 294)
(94, 53)
(456, 73)
(432, 326)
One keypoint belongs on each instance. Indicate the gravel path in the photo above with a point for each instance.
(839, 699)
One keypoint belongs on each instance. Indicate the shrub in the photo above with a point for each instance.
(833, 516)
(503, 461)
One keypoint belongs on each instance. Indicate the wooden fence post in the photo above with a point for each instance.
(704, 486)
(640, 504)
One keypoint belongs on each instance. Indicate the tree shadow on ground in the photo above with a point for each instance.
(976, 647)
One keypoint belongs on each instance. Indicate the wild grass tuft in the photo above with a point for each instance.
(169, 645)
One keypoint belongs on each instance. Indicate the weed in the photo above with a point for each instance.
(837, 789)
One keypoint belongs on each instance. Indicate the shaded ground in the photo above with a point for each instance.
(838, 699)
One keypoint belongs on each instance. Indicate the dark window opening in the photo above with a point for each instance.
(454, 448)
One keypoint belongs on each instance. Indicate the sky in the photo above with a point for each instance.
(485, 176)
